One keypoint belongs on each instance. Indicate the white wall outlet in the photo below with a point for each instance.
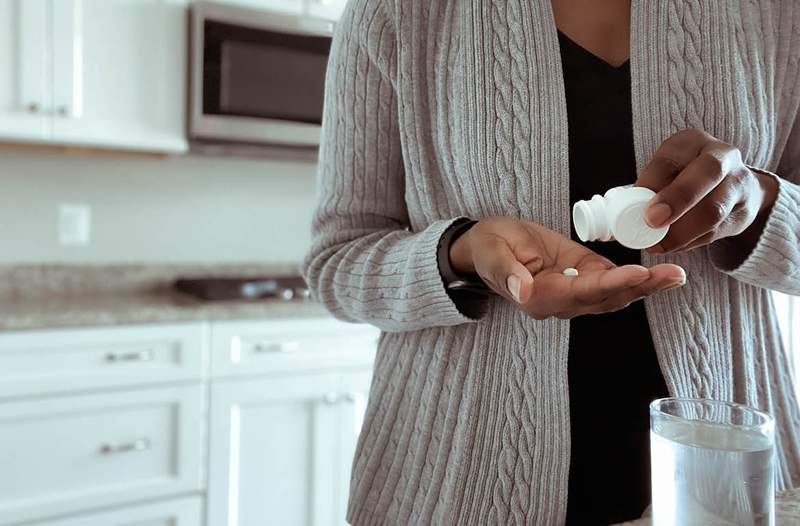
(74, 225)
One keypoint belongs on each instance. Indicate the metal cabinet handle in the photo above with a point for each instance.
(33, 107)
(138, 356)
(63, 111)
(334, 398)
(141, 444)
(276, 347)
(330, 398)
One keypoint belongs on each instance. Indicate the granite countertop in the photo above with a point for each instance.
(93, 310)
(787, 510)
(48, 297)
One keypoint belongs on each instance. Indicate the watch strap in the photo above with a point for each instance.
(453, 280)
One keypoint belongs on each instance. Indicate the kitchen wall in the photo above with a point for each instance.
(165, 210)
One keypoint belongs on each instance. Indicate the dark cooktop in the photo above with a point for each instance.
(245, 288)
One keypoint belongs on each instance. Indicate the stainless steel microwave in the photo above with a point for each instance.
(257, 77)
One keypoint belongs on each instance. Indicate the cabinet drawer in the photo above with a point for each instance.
(265, 347)
(63, 455)
(55, 361)
(178, 512)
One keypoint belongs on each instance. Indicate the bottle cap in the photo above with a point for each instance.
(619, 214)
(631, 229)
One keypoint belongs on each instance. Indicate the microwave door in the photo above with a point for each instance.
(261, 86)
(271, 82)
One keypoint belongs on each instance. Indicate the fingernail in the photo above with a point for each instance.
(658, 214)
(656, 249)
(680, 282)
(513, 283)
(676, 284)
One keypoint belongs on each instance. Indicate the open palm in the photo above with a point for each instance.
(524, 261)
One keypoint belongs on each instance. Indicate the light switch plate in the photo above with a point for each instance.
(74, 225)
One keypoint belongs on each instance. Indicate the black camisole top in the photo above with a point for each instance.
(613, 370)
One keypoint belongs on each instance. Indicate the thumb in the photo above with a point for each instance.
(508, 276)
(520, 283)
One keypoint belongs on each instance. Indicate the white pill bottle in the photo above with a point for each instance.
(617, 215)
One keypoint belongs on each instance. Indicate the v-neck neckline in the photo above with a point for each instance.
(592, 56)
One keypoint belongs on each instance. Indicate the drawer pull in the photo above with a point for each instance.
(138, 356)
(352, 397)
(128, 447)
(276, 347)
(330, 398)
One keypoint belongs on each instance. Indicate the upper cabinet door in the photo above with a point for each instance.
(119, 69)
(24, 79)
(327, 9)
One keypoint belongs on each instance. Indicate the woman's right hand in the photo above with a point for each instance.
(523, 261)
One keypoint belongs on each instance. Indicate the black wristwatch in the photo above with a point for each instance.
(454, 281)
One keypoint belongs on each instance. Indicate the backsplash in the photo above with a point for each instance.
(156, 210)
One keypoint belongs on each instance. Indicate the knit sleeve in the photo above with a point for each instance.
(774, 262)
(366, 263)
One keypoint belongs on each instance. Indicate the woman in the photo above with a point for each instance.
(530, 406)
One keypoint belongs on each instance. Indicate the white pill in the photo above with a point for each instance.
(570, 271)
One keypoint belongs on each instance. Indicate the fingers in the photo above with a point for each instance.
(499, 268)
(706, 217)
(668, 271)
(700, 177)
(623, 299)
(662, 278)
(597, 286)
(701, 241)
(671, 158)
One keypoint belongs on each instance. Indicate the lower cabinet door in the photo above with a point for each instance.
(69, 454)
(274, 451)
(179, 512)
(354, 387)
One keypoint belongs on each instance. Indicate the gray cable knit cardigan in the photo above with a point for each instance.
(440, 109)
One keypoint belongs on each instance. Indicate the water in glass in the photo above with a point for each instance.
(709, 474)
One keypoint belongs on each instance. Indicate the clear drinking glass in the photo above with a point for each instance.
(712, 464)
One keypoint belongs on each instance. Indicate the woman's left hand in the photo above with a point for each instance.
(704, 191)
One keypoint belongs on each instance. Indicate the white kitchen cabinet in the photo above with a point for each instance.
(281, 447)
(178, 512)
(112, 418)
(120, 73)
(98, 73)
(24, 75)
(76, 453)
(354, 391)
